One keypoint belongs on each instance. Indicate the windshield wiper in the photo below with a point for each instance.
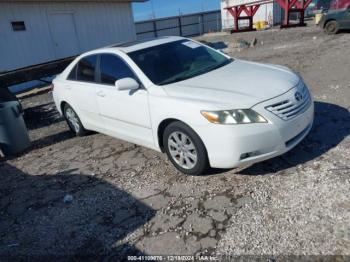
(199, 72)
(177, 79)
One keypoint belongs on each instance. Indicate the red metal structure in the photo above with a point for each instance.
(250, 9)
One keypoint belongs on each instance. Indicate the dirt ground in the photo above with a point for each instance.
(98, 196)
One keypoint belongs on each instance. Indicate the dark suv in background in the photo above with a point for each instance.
(337, 17)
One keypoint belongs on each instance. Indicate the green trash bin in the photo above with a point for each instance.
(14, 136)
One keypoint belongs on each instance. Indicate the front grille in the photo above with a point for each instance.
(290, 108)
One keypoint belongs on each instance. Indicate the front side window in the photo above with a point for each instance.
(177, 61)
(86, 69)
(113, 68)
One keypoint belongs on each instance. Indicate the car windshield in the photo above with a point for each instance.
(177, 61)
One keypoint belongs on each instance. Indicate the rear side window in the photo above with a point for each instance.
(73, 74)
(113, 68)
(86, 69)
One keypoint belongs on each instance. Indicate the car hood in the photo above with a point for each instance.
(240, 84)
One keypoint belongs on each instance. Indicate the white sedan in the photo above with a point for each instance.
(175, 95)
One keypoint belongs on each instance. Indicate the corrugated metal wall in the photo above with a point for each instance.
(186, 25)
(96, 25)
(269, 12)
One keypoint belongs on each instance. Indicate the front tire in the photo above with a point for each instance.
(73, 121)
(331, 27)
(185, 149)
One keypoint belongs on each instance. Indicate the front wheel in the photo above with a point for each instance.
(185, 149)
(332, 27)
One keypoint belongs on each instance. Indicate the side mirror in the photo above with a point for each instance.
(127, 84)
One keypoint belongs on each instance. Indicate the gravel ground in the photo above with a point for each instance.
(98, 196)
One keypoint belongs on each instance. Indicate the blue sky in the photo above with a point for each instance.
(164, 8)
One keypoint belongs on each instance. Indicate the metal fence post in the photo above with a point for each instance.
(217, 22)
(180, 25)
(201, 24)
(155, 28)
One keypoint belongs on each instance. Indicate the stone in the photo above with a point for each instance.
(243, 44)
(212, 233)
(244, 201)
(164, 244)
(217, 203)
(68, 199)
(157, 201)
(192, 244)
(218, 216)
(208, 242)
(198, 224)
(165, 223)
(253, 42)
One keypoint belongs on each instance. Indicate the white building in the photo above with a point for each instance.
(271, 13)
(38, 31)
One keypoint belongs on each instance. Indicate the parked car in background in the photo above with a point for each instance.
(318, 7)
(339, 5)
(310, 10)
(175, 95)
(336, 20)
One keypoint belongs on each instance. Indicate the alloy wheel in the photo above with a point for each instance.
(73, 119)
(182, 150)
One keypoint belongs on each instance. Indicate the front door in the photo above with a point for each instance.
(125, 113)
(347, 26)
(64, 36)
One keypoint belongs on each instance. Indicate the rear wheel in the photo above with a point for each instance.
(185, 149)
(332, 27)
(73, 121)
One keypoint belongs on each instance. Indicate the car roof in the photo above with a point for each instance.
(132, 46)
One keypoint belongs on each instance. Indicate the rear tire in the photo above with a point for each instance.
(73, 121)
(185, 149)
(331, 27)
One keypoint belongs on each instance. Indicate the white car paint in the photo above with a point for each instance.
(136, 116)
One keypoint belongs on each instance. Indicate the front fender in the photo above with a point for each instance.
(188, 112)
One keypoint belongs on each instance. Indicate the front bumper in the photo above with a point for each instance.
(231, 146)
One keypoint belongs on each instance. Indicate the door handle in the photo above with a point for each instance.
(101, 94)
(68, 87)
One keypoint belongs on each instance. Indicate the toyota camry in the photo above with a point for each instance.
(175, 95)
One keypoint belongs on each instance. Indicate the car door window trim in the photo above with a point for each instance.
(76, 67)
(123, 60)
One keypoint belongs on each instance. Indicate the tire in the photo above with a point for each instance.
(185, 149)
(73, 121)
(331, 27)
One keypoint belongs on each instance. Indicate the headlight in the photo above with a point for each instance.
(238, 116)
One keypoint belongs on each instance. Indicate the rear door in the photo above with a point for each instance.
(125, 113)
(81, 87)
